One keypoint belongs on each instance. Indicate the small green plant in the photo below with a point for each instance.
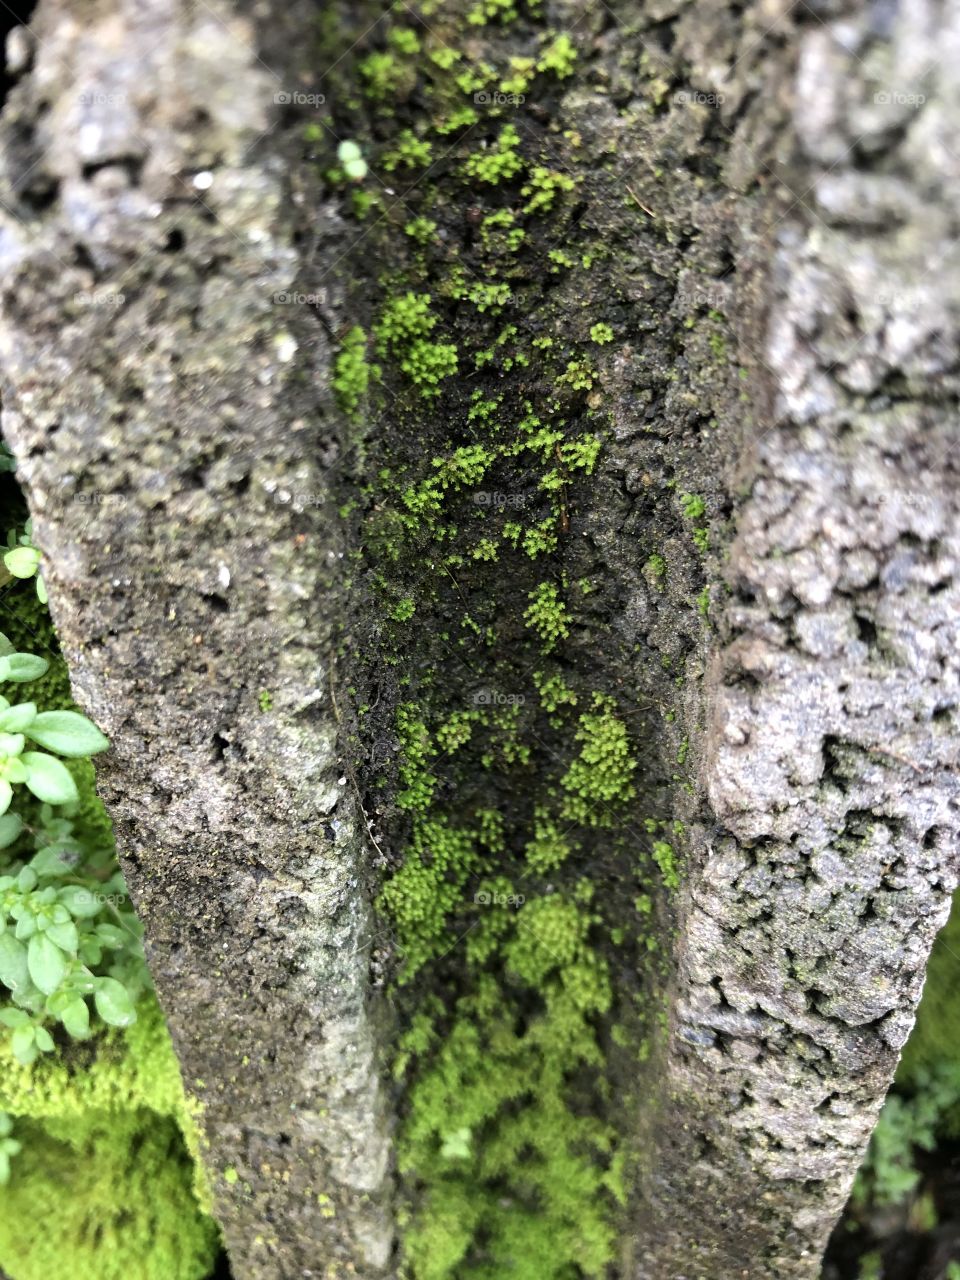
(666, 860)
(352, 161)
(692, 506)
(23, 558)
(410, 152)
(601, 334)
(907, 1122)
(65, 935)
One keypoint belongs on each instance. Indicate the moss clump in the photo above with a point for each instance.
(600, 777)
(498, 162)
(404, 326)
(351, 376)
(547, 615)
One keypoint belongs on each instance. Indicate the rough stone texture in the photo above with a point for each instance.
(172, 434)
(827, 848)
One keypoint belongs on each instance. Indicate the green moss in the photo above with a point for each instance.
(498, 162)
(600, 777)
(404, 326)
(542, 188)
(506, 794)
(692, 505)
(410, 152)
(601, 334)
(547, 615)
(665, 858)
(351, 376)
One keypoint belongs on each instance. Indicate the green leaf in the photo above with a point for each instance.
(112, 936)
(5, 645)
(41, 589)
(48, 779)
(55, 859)
(22, 1042)
(14, 770)
(14, 1017)
(4, 1168)
(6, 792)
(76, 1018)
(46, 962)
(68, 733)
(44, 1040)
(14, 972)
(65, 936)
(22, 562)
(80, 902)
(114, 1004)
(18, 718)
(11, 744)
(11, 824)
(22, 666)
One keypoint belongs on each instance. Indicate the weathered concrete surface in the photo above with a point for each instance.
(173, 436)
(826, 849)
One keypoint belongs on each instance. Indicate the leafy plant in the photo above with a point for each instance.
(66, 936)
(23, 558)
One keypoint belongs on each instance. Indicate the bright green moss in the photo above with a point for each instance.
(547, 615)
(599, 778)
(410, 152)
(542, 188)
(693, 506)
(104, 1198)
(550, 846)
(421, 229)
(498, 162)
(656, 566)
(554, 691)
(665, 858)
(351, 376)
(558, 57)
(404, 326)
(505, 796)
